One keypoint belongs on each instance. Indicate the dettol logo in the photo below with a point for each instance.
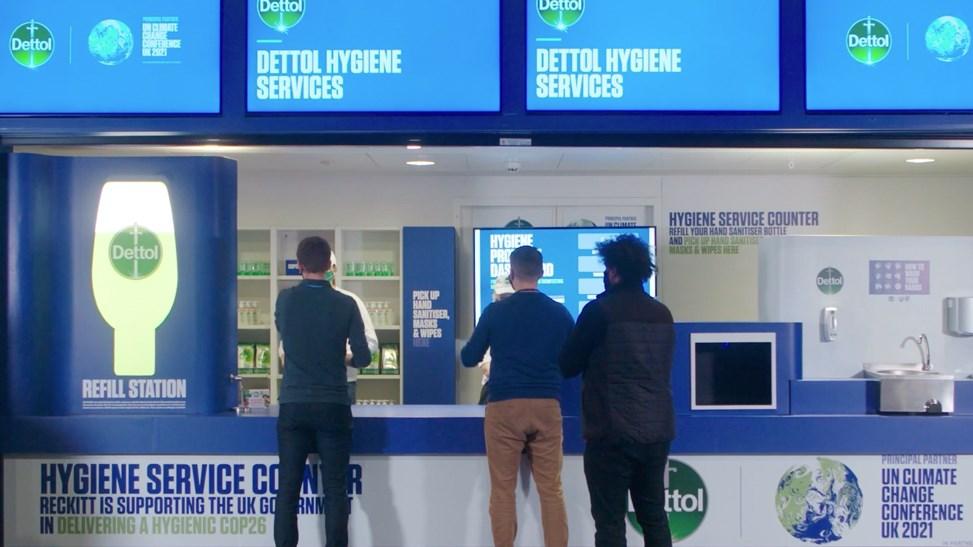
(830, 281)
(686, 501)
(32, 44)
(281, 15)
(560, 14)
(869, 41)
(135, 252)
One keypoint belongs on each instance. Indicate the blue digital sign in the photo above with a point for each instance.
(377, 56)
(573, 271)
(889, 55)
(686, 55)
(110, 57)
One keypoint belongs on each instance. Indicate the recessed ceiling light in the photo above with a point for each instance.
(920, 160)
(420, 163)
(413, 147)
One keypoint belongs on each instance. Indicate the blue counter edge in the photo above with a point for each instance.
(464, 435)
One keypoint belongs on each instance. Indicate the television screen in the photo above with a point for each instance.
(111, 57)
(889, 55)
(733, 371)
(573, 272)
(699, 55)
(377, 56)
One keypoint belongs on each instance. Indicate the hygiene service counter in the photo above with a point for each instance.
(822, 466)
(117, 428)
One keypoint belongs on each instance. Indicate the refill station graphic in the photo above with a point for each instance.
(378, 56)
(687, 55)
(573, 271)
(122, 285)
(134, 273)
(889, 55)
(132, 57)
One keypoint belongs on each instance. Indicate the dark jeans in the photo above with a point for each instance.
(615, 469)
(303, 428)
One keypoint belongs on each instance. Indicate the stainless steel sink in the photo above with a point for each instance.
(905, 387)
(904, 373)
(900, 370)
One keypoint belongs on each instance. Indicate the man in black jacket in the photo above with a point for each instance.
(623, 344)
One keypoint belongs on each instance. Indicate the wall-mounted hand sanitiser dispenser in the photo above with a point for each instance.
(829, 324)
(959, 315)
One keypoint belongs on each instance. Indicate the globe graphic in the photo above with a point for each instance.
(819, 503)
(111, 42)
(948, 39)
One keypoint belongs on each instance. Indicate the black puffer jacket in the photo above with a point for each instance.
(623, 344)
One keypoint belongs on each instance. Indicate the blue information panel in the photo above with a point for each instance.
(573, 272)
(377, 56)
(428, 316)
(889, 55)
(674, 55)
(110, 57)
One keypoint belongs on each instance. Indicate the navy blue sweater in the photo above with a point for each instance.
(524, 333)
(316, 323)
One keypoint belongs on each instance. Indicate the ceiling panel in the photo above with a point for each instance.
(391, 160)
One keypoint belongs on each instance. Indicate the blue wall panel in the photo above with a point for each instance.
(429, 352)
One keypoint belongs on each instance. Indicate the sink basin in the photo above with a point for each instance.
(901, 371)
(906, 388)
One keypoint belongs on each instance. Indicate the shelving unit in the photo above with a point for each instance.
(381, 248)
(253, 252)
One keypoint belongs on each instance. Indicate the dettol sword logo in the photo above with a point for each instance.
(560, 14)
(32, 44)
(134, 271)
(869, 41)
(281, 15)
(686, 501)
(830, 281)
(135, 252)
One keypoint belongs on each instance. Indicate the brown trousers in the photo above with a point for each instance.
(511, 427)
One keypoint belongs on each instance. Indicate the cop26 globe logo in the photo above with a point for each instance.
(560, 14)
(819, 502)
(111, 42)
(281, 15)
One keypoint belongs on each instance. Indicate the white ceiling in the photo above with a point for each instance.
(518, 161)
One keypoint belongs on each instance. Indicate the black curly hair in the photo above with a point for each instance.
(629, 256)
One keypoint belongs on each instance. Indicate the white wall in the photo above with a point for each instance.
(720, 288)
(697, 288)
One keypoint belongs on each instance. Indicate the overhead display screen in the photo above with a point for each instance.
(110, 57)
(889, 55)
(375, 56)
(573, 271)
(653, 55)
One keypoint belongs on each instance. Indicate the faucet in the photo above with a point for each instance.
(923, 344)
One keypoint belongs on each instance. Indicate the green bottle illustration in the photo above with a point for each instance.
(134, 270)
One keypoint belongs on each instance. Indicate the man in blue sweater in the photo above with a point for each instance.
(525, 333)
(316, 324)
